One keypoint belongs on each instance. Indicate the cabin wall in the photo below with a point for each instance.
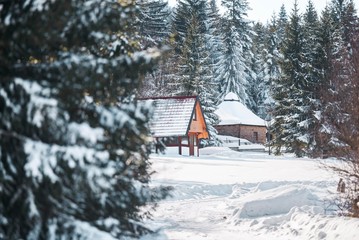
(255, 134)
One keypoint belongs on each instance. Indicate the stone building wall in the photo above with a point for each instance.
(255, 134)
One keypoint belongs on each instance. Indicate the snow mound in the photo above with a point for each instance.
(295, 214)
(275, 201)
(306, 222)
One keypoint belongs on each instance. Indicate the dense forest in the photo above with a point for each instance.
(292, 70)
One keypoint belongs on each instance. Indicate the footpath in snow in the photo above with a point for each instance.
(225, 194)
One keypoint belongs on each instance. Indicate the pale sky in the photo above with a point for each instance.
(262, 10)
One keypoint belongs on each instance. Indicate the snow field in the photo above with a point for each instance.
(225, 194)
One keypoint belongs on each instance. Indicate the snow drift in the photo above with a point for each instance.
(246, 195)
(278, 200)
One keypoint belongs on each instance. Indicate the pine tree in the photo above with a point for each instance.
(272, 71)
(236, 40)
(340, 116)
(344, 16)
(154, 28)
(288, 93)
(73, 151)
(214, 43)
(327, 28)
(195, 63)
(192, 55)
(272, 57)
(314, 59)
(257, 85)
(153, 21)
(209, 96)
(184, 11)
(282, 23)
(214, 29)
(338, 27)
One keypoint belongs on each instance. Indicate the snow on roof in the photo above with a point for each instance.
(231, 96)
(172, 116)
(231, 111)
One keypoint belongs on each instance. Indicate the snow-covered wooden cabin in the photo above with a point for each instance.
(178, 121)
(238, 121)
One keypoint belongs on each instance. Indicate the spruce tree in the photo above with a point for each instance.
(154, 16)
(193, 56)
(195, 76)
(234, 70)
(327, 28)
(73, 148)
(257, 85)
(339, 24)
(214, 42)
(344, 17)
(214, 30)
(154, 28)
(314, 59)
(271, 66)
(209, 95)
(340, 115)
(288, 93)
(282, 23)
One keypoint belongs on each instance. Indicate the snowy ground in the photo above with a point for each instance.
(225, 194)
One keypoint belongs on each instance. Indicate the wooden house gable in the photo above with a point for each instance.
(177, 116)
(198, 123)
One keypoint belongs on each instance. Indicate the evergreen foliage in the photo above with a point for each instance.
(288, 94)
(315, 60)
(194, 26)
(257, 88)
(73, 148)
(282, 23)
(340, 117)
(234, 71)
(194, 63)
(303, 66)
(214, 30)
(154, 28)
(271, 58)
(154, 16)
(214, 43)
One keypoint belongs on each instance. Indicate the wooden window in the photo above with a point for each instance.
(194, 115)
